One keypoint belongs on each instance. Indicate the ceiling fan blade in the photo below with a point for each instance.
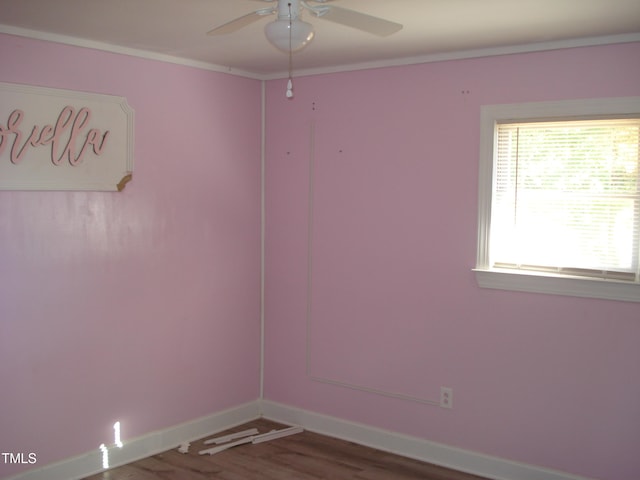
(361, 21)
(239, 23)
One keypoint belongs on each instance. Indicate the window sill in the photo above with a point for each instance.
(558, 284)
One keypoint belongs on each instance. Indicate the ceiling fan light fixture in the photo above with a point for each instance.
(277, 32)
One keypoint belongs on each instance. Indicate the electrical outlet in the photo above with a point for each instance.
(446, 397)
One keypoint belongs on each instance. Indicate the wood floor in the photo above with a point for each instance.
(303, 456)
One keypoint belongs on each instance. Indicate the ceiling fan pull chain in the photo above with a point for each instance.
(290, 82)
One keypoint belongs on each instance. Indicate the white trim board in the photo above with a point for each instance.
(132, 52)
(466, 54)
(394, 62)
(160, 441)
(151, 444)
(411, 447)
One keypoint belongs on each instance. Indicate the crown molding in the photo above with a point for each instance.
(393, 62)
(111, 48)
(466, 54)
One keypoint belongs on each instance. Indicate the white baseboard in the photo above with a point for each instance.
(156, 442)
(412, 447)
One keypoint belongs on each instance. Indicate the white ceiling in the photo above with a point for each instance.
(176, 30)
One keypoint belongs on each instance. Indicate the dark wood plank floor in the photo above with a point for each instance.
(303, 456)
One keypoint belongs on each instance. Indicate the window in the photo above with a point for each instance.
(559, 203)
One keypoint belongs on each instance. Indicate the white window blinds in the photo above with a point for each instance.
(566, 198)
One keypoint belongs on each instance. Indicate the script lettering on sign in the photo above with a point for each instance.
(65, 135)
(62, 140)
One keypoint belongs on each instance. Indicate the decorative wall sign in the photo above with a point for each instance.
(52, 139)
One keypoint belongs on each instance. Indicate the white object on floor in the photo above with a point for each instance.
(273, 434)
(220, 448)
(184, 447)
(231, 436)
(264, 437)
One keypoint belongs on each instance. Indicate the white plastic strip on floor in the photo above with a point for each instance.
(264, 437)
(231, 436)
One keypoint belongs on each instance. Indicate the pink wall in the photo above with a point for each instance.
(141, 306)
(547, 380)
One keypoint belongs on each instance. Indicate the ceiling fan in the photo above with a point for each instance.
(289, 33)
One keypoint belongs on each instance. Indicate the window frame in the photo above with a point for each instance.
(534, 281)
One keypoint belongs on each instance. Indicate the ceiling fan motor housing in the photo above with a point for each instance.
(289, 33)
